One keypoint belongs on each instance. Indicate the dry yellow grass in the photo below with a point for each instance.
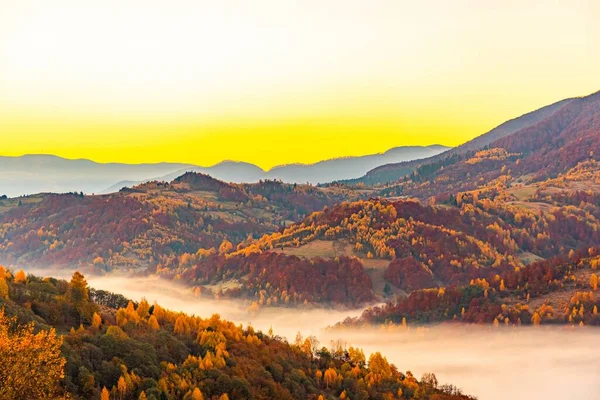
(374, 267)
(8, 204)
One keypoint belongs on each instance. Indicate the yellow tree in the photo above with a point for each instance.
(379, 368)
(20, 277)
(318, 375)
(122, 386)
(104, 395)
(181, 327)
(594, 282)
(3, 288)
(225, 247)
(143, 308)
(330, 376)
(536, 319)
(153, 323)
(27, 357)
(197, 394)
(96, 320)
(78, 292)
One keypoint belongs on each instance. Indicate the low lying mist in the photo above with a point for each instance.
(492, 364)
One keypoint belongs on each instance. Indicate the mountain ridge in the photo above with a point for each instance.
(45, 173)
(392, 172)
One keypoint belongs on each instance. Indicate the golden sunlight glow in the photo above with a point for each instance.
(277, 81)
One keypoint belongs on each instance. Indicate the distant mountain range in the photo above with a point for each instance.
(31, 174)
(37, 173)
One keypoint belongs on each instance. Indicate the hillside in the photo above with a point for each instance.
(395, 247)
(558, 279)
(393, 172)
(71, 341)
(152, 224)
(560, 290)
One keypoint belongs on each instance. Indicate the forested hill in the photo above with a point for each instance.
(150, 224)
(63, 340)
(559, 290)
(543, 151)
(534, 138)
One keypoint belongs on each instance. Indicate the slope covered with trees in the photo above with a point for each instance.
(392, 172)
(560, 290)
(552, 146)
(64, 340)
(394, 246)
(151, 224)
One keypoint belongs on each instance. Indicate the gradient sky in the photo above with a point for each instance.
(274, 82)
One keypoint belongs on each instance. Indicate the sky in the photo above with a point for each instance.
(275, 81)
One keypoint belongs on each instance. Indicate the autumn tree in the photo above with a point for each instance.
(225, 247)
(96, 321)
(197, 394)
(379, 368)
(143, 308)
(78, 290)
(27, 357)
(3, 288)
(122, 387)
(20, 277)
(594, 282)
(429, 379)
(104, 395)
(153, 323)
(330, 376)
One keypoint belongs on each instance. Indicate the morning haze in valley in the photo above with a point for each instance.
(299, 200)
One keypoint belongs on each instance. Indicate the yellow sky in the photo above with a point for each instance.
(273, 82)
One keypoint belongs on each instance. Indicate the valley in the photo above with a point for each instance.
(286, 200)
